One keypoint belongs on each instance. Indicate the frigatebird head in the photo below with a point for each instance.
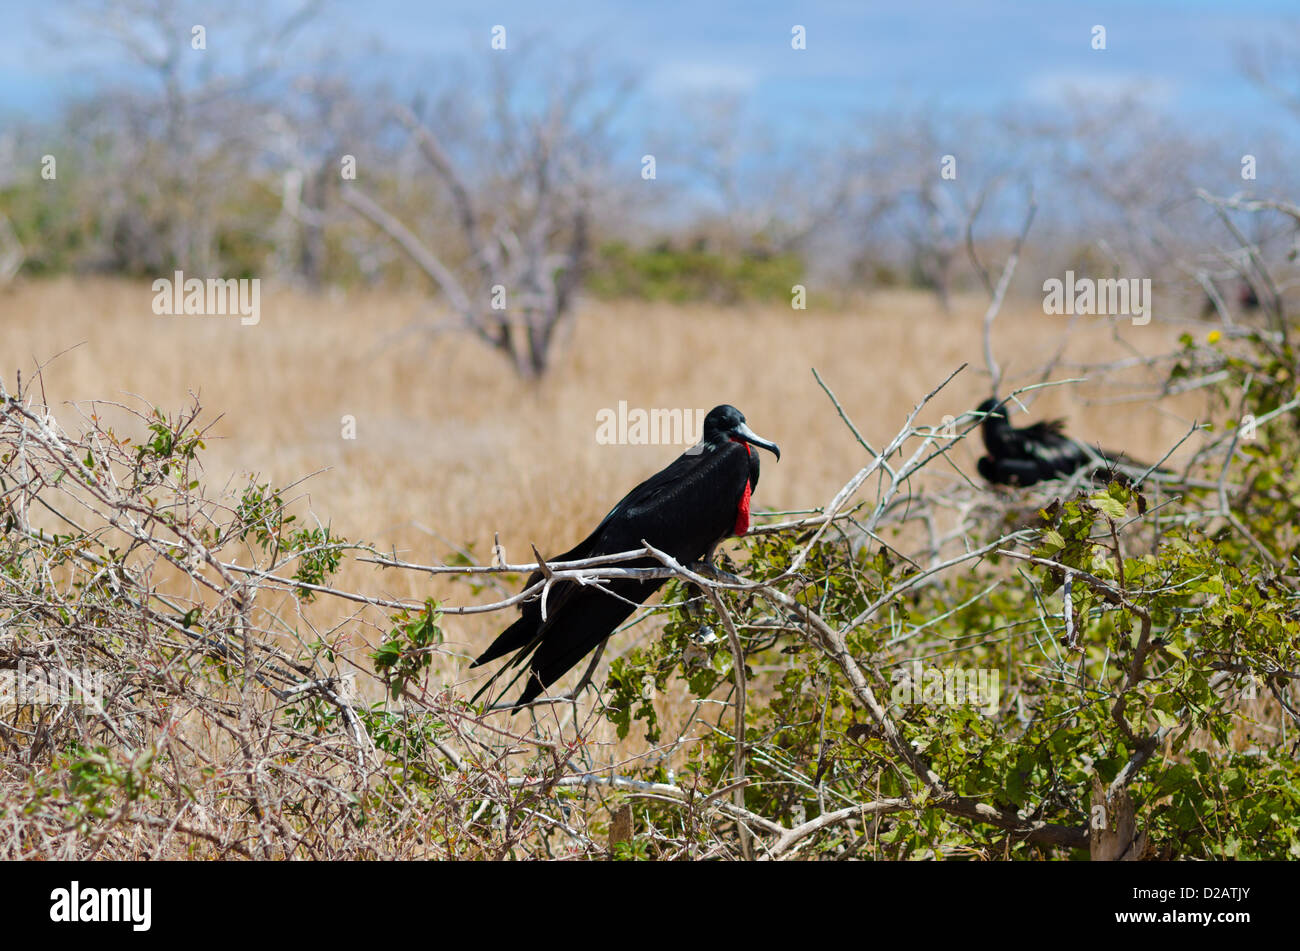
(728, 423)
(989, 405)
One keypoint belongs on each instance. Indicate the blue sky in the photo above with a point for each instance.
(969, 51)
(971, 55)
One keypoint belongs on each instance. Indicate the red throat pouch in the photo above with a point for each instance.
(742, 510)
(742, 513)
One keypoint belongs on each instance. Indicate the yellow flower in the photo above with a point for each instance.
(1214, 337)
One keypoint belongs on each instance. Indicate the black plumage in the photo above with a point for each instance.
(1027, 455)
(684, 510)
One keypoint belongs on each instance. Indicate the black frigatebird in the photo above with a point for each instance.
(1031, 454)
(685, 511)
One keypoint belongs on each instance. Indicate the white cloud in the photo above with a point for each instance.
(1062, 87)
(678, 78)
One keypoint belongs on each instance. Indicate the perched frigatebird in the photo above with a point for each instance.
(685, 511)
(1031, 454)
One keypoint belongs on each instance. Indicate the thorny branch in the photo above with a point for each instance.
(161, 587)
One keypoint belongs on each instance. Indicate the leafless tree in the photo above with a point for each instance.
(765, 191)
(311, 137)
(921, 176)
(1274, 66)
(170, 158)
(520, 194)
(12, 253)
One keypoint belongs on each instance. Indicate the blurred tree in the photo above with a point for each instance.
(521, 185)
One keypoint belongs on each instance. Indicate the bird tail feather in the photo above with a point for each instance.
(511, 639)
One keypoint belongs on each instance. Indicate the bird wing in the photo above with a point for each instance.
(1020, 472)
(677, 510)
(1053, 451)
(526, 629)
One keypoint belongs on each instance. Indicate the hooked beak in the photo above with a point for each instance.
(754, 439)
(997, 412)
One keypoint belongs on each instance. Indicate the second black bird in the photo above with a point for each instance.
(685, 511)
(1027, 455)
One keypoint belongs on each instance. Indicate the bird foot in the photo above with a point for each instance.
(706, 569)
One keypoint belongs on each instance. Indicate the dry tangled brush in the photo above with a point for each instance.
(201, 703)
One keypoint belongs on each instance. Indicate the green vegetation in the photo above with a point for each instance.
(1175, 666)
(695, 273)
(1135, 649)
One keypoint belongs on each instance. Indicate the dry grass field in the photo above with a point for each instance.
(450, 447)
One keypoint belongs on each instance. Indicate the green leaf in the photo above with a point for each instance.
(1103, 503)
(1052, 539)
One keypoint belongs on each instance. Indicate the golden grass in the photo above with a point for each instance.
(450, 445)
